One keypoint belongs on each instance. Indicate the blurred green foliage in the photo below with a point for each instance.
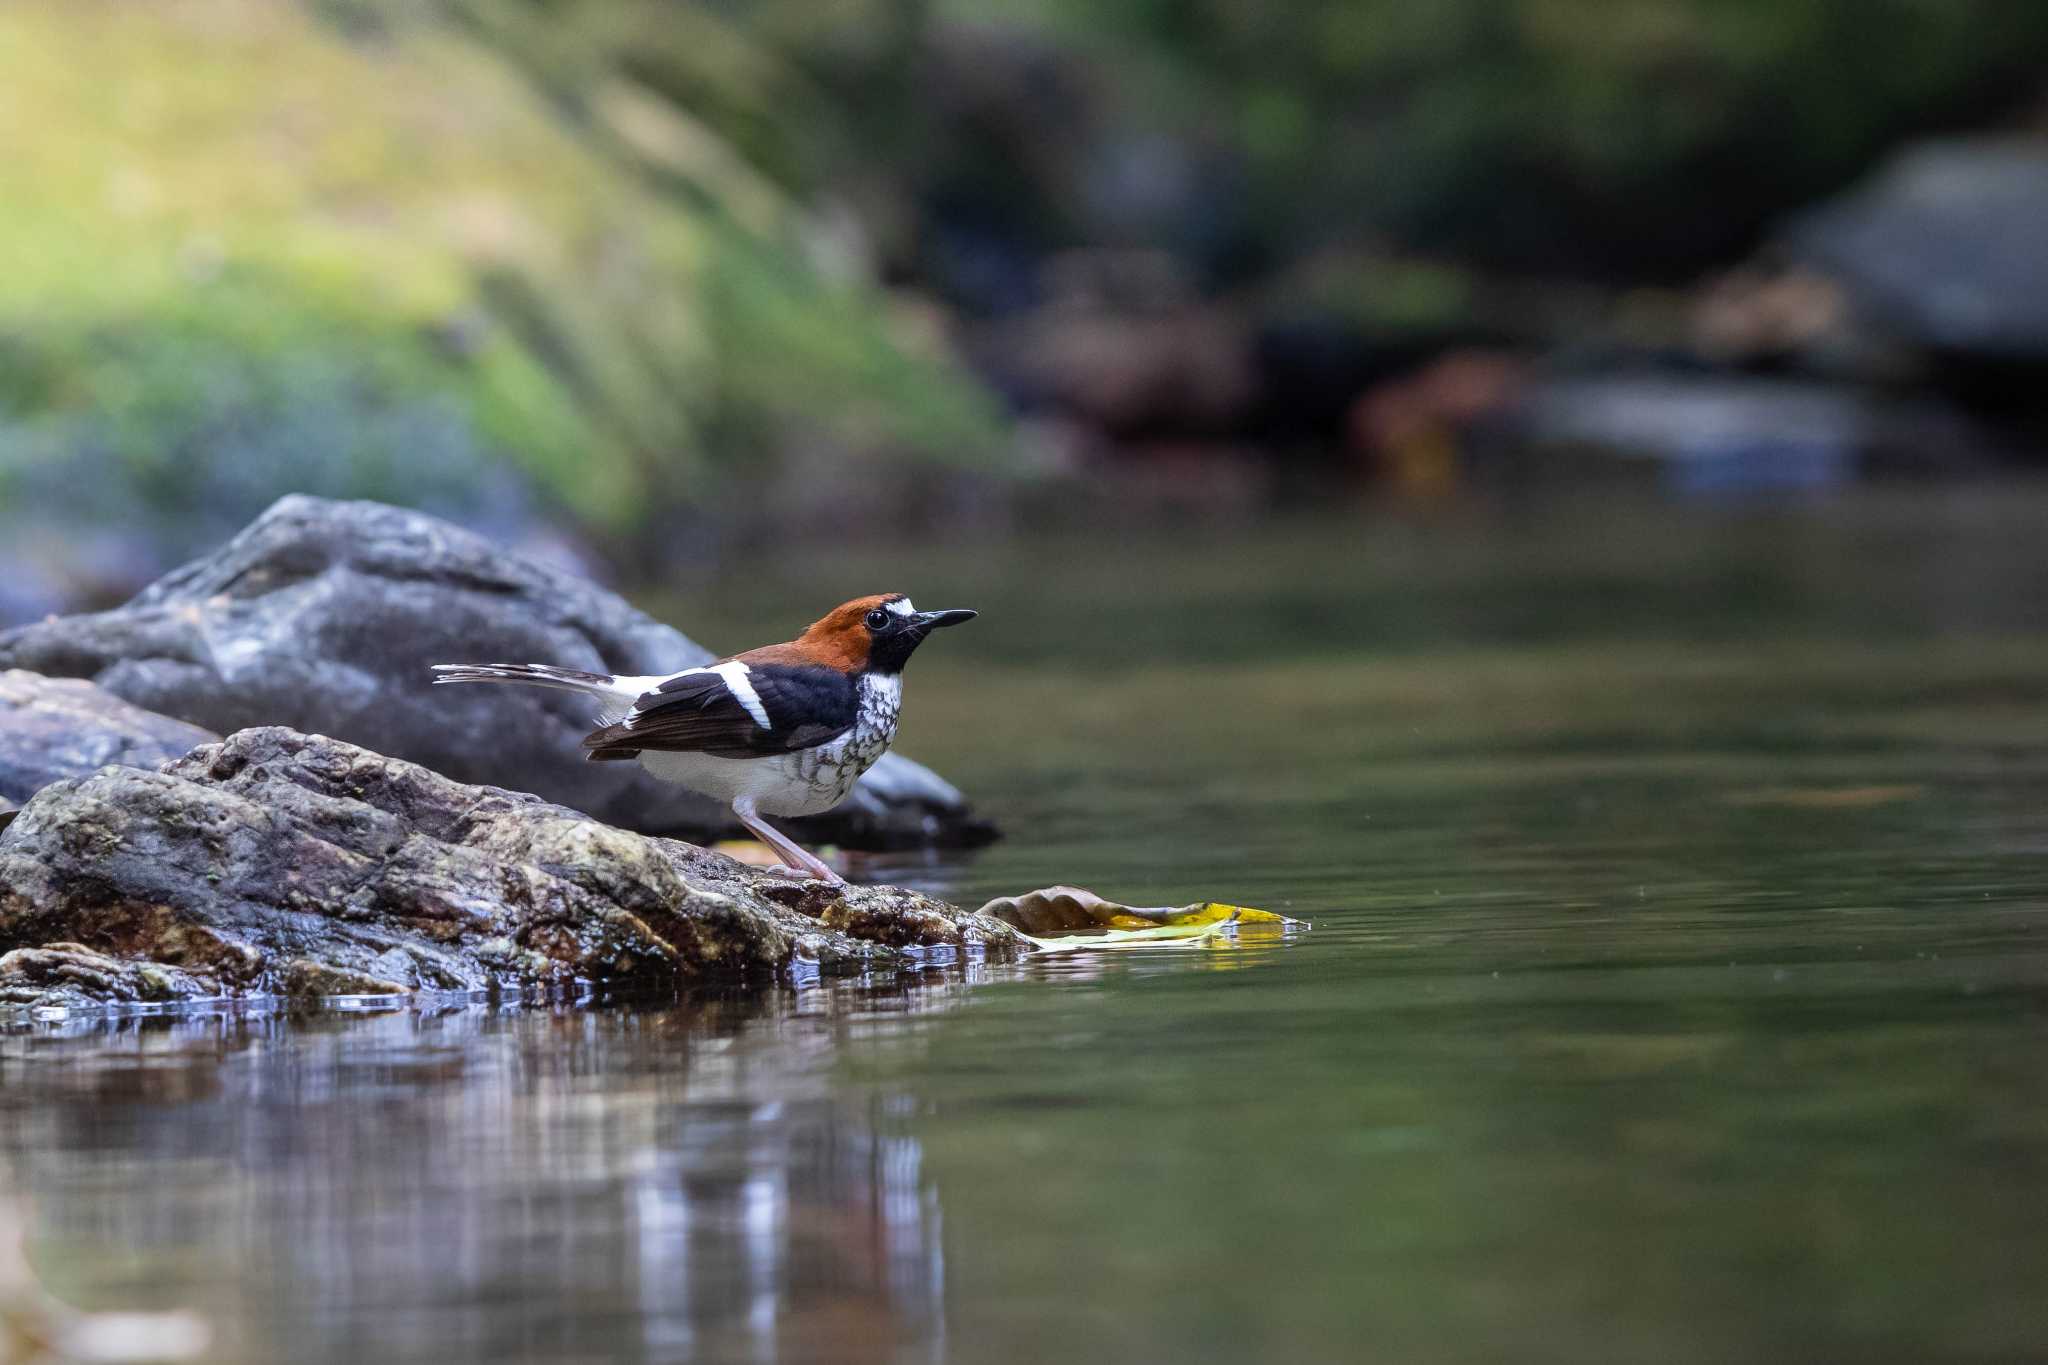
(391, 250)
(451, 251)
(1618, 138)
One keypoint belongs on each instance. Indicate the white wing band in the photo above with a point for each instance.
(735, 675)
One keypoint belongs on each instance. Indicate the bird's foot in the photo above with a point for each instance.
(805, 874)
(803, 863)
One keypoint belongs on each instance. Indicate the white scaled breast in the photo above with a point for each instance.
(830, 770)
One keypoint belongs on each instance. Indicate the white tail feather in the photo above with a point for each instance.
(615, 695)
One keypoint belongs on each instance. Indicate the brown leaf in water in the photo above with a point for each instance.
(1065, 909)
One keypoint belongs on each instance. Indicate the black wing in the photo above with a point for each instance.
(698, 712)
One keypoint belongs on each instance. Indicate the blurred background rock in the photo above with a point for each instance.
(640, 284)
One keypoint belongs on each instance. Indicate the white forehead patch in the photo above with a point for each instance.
(900, 607)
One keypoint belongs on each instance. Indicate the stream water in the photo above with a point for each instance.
(1677, 991)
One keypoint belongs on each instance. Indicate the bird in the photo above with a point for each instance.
(782, 730)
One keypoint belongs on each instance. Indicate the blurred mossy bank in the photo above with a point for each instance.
(406, 252)
(681, 277)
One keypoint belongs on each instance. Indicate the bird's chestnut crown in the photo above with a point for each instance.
(877, 633)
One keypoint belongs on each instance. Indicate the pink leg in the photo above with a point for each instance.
(801, 861)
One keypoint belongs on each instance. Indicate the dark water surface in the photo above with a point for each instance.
(1678, 991)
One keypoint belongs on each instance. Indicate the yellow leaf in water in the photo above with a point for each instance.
(1208, 912)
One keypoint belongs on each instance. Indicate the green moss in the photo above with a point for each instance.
(791, 347)
(251, 247)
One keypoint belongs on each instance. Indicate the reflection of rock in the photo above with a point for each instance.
(680, 1182)
(1947, 248)
(326, 615)
(52, 728)
(37, 1326)
(277, 862)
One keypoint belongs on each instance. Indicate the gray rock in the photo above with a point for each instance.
(279, 863)
(1706, 432)
(1947, 246)
(325, 616)
(52, 728)
(1739, 434)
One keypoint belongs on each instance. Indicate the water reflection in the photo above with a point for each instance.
(700, 1179)
(620, 1184)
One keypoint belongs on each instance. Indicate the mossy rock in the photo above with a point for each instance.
(277, 863)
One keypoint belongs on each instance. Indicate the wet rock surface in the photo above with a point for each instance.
(325, 616)
(280, 863)
(73, 976)
(52, 728)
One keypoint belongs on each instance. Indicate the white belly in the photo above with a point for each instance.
(803, 782)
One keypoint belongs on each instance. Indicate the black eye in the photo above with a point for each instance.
(877, 619)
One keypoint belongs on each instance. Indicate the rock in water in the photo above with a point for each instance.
(1944, 246)
(52, 728)
(276, 862)
(325, 616)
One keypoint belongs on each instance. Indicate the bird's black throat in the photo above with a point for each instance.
(891, 647)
